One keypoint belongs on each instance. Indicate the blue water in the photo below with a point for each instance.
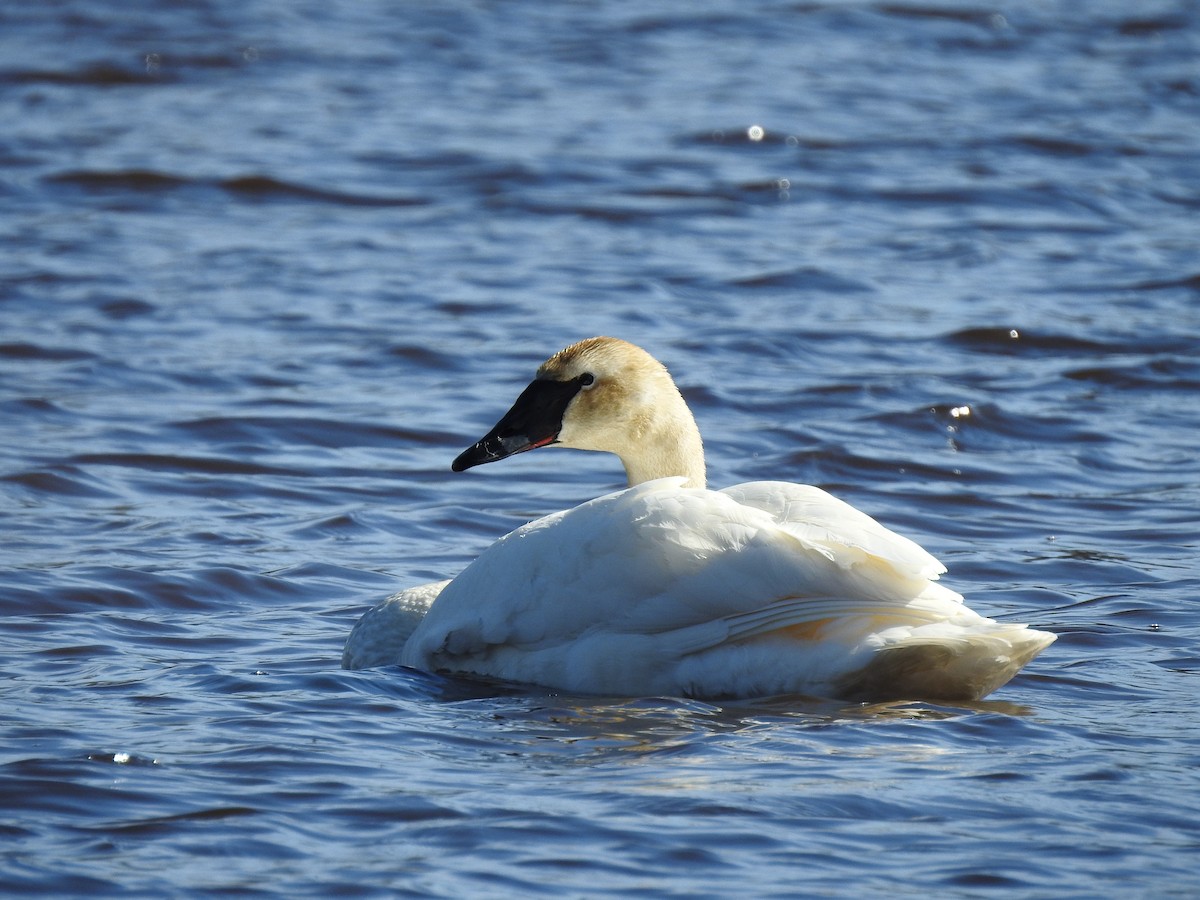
(267, 267)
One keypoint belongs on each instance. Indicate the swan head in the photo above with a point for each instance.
(601, 394)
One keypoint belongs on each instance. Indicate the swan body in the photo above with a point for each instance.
(669, 588)
(378, 638)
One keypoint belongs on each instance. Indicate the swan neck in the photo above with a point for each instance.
(674, 448)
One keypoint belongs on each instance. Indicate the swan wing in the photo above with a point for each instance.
(547, 581)
(656, 559)
(822, 520)
(666, 589)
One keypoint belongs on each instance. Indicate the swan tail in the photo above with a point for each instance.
(900, 651)
(964, 666)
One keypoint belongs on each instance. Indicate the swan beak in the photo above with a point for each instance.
(534, 421)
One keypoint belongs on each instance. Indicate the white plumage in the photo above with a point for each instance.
(668, 588)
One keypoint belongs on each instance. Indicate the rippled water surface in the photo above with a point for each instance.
(266, 267)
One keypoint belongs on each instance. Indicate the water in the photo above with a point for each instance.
(266, 268)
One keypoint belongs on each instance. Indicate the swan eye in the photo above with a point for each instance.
(586, 380)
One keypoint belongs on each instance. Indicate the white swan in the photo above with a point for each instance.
(666, 588)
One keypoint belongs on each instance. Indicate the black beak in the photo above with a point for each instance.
(534, 421)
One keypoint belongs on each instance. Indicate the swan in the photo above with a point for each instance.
(669, 588)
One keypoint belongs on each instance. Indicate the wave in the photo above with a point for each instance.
(256, 187)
